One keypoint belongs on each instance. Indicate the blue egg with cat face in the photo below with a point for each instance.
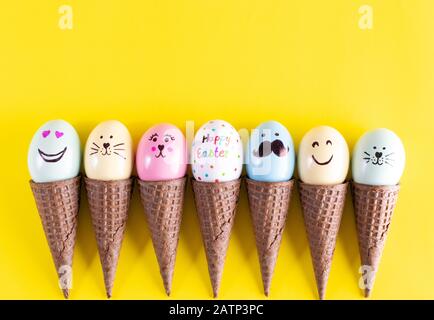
(378, 158)
(270, 153)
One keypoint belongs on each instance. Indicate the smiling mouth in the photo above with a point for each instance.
(322, 163)
(54, 157)
(160, 155)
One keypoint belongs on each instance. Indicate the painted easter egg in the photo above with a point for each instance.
(108, 154)
(270, 153)
(161, 154)
(54, 152)
(323, 157)
(217, 152)
(378, 158)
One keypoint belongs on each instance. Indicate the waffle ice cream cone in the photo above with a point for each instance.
(58, 204)
(322, 207)
(216, 205)
(373, 207)
(109, 203)
(163, 203)
(268, 202)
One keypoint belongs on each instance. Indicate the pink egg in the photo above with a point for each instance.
(161, 154)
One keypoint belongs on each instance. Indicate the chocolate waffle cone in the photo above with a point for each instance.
(373, 206)
(109, 202)
(58, 204)
(216, 204)
(163, 202)
(322, 207)
(268, 202)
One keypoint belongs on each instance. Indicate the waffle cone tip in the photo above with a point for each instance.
(168, 287)
(65, 293)
(367, 292)
(322, 285)
(266, 284)
(108, 290)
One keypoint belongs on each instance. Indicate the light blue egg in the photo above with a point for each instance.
(378, 158)
(270, 155)
(54, 152)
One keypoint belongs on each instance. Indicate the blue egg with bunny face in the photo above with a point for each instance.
(270, 153)
(378, 158)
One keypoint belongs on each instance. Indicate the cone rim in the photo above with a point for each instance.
(140, 181)
(87, 179)
(270, 183)
(219, 183)
(346, 182)
(32, 182)
(372, 186)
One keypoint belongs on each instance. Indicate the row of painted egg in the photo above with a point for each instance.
(216, 155)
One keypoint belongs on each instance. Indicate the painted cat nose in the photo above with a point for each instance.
(160, 147)
(378, 154)
(106, 145)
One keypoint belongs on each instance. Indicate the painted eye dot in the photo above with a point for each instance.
(101, 137)
(315, 144)
(153, 149)
(384, 148)
(329, 142)
(111, 137)
(263, 135)
(276, 134)
(375, 148)
(166, 139)
(154, 139)
(170, 149)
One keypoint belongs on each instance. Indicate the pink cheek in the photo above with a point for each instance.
(153, 149)
(170, 149)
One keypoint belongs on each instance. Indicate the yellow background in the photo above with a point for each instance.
(303, 63)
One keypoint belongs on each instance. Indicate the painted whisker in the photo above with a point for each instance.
(119, 155)
(119, 144)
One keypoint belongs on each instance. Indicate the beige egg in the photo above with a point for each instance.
(108, 154)
(323, 157)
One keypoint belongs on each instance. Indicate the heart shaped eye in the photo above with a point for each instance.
(45, 133)
(58, 134)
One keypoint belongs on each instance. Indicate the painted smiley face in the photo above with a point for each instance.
(378, 158)
(54, 152)
(161, 154)
(323, 157)
(52, 157)
(108, 152)
(270, 154)
(316, 144)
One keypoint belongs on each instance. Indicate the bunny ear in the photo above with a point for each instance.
(45, 133)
